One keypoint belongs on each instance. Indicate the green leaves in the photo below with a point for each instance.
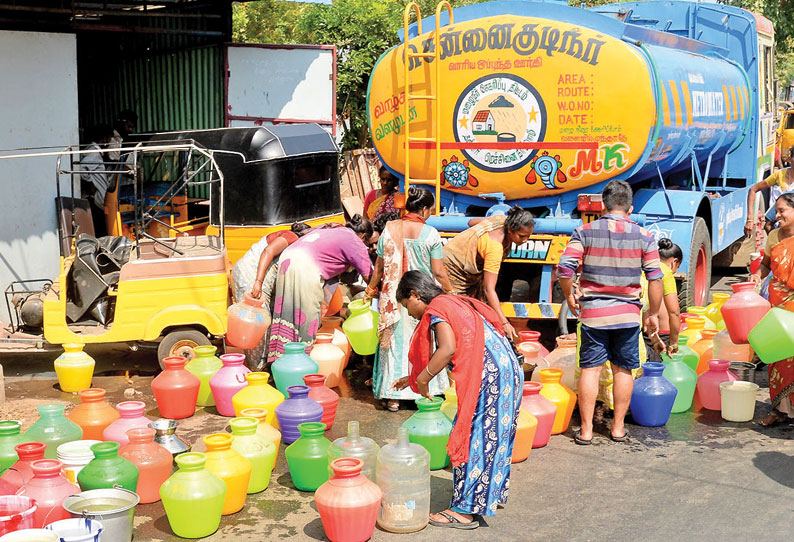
(362, 31)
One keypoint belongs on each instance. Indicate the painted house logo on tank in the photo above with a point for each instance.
(502, 108)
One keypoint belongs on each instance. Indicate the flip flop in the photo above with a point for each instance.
(454, 523)
(577, 438)
(624, 438)
(391, 406)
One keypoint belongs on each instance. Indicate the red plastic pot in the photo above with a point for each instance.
(176, 389)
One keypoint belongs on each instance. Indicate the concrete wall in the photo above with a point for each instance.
(38, 107)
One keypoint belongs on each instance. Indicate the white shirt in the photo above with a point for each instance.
(94, 167)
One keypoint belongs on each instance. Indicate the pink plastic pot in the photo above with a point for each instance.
(543, 409)
(131, 416)
(708, 386)
(533, 337)
(743, 311)
(227, 381)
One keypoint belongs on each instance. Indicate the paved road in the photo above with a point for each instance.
(697, 478)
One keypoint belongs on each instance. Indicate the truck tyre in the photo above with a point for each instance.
(695, 287)
(180, 342)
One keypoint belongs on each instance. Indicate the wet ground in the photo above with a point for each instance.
(696, 478)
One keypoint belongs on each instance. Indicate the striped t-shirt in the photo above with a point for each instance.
(613, 252)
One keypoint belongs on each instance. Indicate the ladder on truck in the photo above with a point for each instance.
(435, 54)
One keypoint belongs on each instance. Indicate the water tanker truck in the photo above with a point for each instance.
(541, 104)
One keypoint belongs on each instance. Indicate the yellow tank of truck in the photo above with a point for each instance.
(535, 111)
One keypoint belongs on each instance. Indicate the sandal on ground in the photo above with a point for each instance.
(577, 438)
(623, 438)
(772, 419)
(454, 523)
(392, 405)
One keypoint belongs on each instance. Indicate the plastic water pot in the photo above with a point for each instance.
(743, 311)
(10, 437)
(93, 414)
(290, 368)
(16, 513)
(562, 397)
(694, 330)
(544, 411)
(307, 457)
(176, 389)
(738, 400)
(204, 366)
(563, 357)
(329, 357)
(193, 497)
(20, 472)
(247, 323)
(701, 312)
(348, 503)
(298, 409)
(450, 405)
(131, 416)
(258, 394)
(773, 337)
(259, 452)
(328, 398)
(708, 386)
(52, 428)
(683, 378)
(229, 466)
(152, 460)
(724, 348)
(333, 325)
(525, 435)
(74, 368)
(533, 337)
(108, 469)
(361, 328)
(113, 508)
(49, 488)
(228, 381)
(653, 396)
(430, 428)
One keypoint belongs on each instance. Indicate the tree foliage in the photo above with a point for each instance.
(363, 30)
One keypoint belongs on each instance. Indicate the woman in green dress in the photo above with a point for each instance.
(405, 245)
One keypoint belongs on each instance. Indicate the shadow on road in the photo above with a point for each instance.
(777, 466)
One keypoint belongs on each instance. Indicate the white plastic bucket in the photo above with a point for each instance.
(76, 530)
(30, 535)
(738, 400)
(75, 455)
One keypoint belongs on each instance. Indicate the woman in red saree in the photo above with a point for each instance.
(386, 199)
(466, 334)
(779, 259)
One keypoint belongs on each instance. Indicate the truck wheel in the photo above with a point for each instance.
(695, 287)
(180, 342)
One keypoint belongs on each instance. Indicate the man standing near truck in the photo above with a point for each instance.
(613, 253)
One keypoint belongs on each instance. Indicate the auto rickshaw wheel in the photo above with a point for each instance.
(180, 342)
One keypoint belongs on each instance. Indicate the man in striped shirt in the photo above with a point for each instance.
(613, 253)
